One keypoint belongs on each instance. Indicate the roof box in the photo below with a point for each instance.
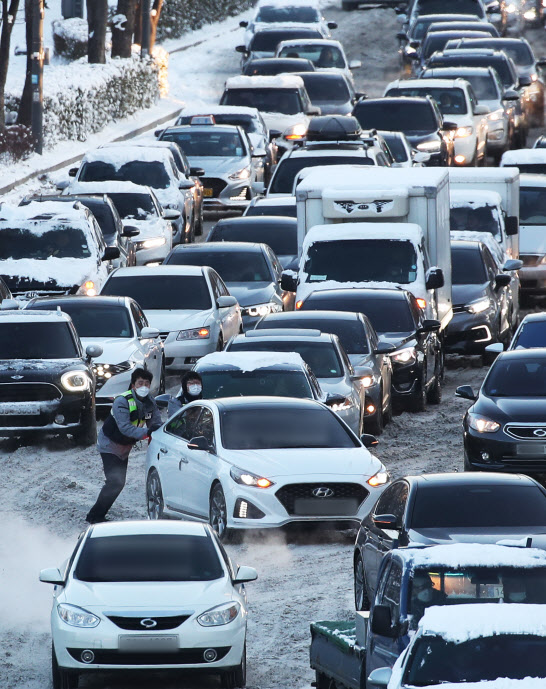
(334, 128)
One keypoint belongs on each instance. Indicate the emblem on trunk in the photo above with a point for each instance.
(17, 377)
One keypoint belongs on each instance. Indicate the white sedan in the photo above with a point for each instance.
(260, 462)
(143, 595)
(189, 305)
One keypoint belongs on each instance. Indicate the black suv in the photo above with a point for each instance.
(47, 383)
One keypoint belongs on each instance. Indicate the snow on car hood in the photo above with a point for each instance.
(219, 165)
(250, 293)
(280, 122)
(166, 321)
(532, 239)
(115, 349)
(64, 271)
(153, 227)
(310, 462)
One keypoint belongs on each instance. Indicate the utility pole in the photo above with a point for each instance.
(145, 28)
(37, 74)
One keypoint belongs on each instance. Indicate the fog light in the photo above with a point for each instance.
(485, 456)
(59, 419)
(210, 655)
(87, 656)
(460, 159)
(370, 409)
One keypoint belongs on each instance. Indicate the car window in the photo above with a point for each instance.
(467, 266)
(532, 334)
(289, 168)
(393, 501)
(232, 266)
(205, 426)
(391, 592)
(409, 117)
(214, 284)
(169, 292)
(183, 424)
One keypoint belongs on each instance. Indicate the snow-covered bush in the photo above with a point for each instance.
(70, 37)
(16, 143)
(179, 16)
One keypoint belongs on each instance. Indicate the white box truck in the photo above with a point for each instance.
(406, 205)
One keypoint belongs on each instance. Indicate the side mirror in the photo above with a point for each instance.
(502, 280)
(241, 49)
(9, 305)
(197, 172)
(130, 231)
(243, 24)
(162, 401)
(149, 333)
(158, 133)
(171, 213)
(289, 282)
(62, 185)
(492, 351)
(360, 95)
(511, 225)
(466, 393)
(93, 351)
(384, 348)
(402, 36)
(510, 94)
(199, 443)
(355, 64)
(381, 622)
(482, 110)
(111, 253)
(512, 264)
(450, 127)
(380, 677)
(73, 172)
(386, 521)
(51, 575)
(332, 25)
(186, 184)
(245, 574)
(274, 134)
(313, 110)
(524, 81)
(430, 325)
(368, 440)
(435, 278)
(226, 302)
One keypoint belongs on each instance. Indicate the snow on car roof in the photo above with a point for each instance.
(32, 316)
(250, 361)
(358, 230)
(137, 528)
(427, 83)
(218, 110)
(524, 155)
(119, 155)
(309, 41)
(111, 187)
(280, 81)
(461, 555)
(480, 175)
(357, 178)
(473, 198)
(288, 3)
(38, 217)
(459, 623)
(139, 271)
(276, 201)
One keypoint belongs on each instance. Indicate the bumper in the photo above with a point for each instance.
(157, 255)
(499, 452)
(497, 139)
(468, 333)
(186, 352)
(405, 379)
(226, 194)
(466, 148)
(57, 416)
(533, 279)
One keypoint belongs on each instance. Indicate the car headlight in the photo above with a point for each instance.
(222, 614)
(151, 243)
(367, 381)
(380, 478)
(463, 131)
(481, 424)
(510, 9)
(77, 617)
(430, 146)
(534, 77)
(88, 289)
(247, 478)
(296, 132)
(240, 174)
(342, 406)
(75, 381)
(404, 356)
(543, 261)
(262, 309)
(496, 116)
(109, 370)
(194, 334)
(479, 305)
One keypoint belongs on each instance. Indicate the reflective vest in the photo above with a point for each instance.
(110, 427)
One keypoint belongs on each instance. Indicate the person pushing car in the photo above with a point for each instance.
(133, 417)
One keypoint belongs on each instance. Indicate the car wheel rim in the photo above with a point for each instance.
(218, 516)
(359, 584)
(155, 498)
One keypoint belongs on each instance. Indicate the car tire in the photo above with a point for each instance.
(199, 226)
(161, 390)
(235, 677)
(62, 679)
(375, 424)
(322, 681)
(434, 395)
(86, 435)
(155, 505)
(362, 601)
(218, 515)
(418, 401)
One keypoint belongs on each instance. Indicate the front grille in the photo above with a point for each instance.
(27, 421)
(530, 259)
(344, 500)
(535, 433)
(29, 392)
(185, 656)
(217, 186)
(133, 623)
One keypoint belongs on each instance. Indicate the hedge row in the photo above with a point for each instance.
(179, 16)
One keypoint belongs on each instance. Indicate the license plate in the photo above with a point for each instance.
(329, 507)
(531, 449)
(148, 643)
(207, 192)
(13, 410)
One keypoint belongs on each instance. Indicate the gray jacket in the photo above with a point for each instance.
(149, 415)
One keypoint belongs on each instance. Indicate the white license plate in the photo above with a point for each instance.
(531, 449)
(15, 411)
(148, 643)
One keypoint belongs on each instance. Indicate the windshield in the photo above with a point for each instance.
(267, 41)
(478, 505)
(37, 341)
(147, 173)
(246, 122)
(103, 215)
(386, 315)
(323, 57)
(327, 88)
(501, 66)
(532, 206)
(532, 168)
(321, 357)
(288, 168)
(285, 13)
(517, 378)
(397, 117)
(467, 267)
(58, 242)
(164, 292)
(93, 320)
(283, 210)
(397, 148)
(283, 240)
(148, 557)
(208, 144)
(361, 260)
(484, 87)
(284, 101)
(282, 428)
(450, 101)
(452, 7)
(134, 206)
(531, 335)
(435, 661)
(475, 219)
(231, 266)
(519, 52)
(234, 383)
(351, 333)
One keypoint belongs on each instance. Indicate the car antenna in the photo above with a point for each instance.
(529, 542)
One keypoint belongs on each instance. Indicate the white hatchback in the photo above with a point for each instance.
(143, 595)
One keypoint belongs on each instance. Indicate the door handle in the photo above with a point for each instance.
(163, 450)
(182, 461)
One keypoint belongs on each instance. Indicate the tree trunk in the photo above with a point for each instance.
(123, 29)
(25, 107)
(154, 20)
(137, 38)
(8, 19)
(97, 18)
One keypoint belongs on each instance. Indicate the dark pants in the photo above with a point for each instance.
(115, 471)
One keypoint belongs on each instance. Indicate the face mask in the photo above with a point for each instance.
(425, 596)
(143, 391)
(516, 596)
(195, 390)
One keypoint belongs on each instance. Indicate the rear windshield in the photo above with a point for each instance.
(450, 101)
(231, 266)
(288, 169)
(267, 41)
(300, 15)
(134, 206)
(513, 378)
(165, 292)
(532, 206)
(148, 557)
(277, 428)
(148, 173)
(93, 320)
(532, 168)
(326, 88)
(501, 66)
(37, 341)
(452, 7)
(58, 242)
(484, 87)
(284, 210)
(397, 117)
(533, 334)
(246, 122)
(282, 239)
(323, 57)
(236, 383)
(208, 144)
(474, 219)
(321, 357)
(483, 506)
(467, 267)
(284, 101)
(351, 333)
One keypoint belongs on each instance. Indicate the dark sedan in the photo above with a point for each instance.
(505, 428)
(271, 66)
(439, 509)
(398, 320)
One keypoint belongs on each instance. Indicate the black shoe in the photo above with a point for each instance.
(96, 520)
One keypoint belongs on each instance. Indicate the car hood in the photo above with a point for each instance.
(165, 321)
(36, 370)
(396, 339)
(445, 536)
(463, 294)
(249, 293)
(512, 409)
(171, 196)
(280, 122)
(335, 386)
(51, 275)
(115, 349)
(331, 108)
(532, 239)
(148, 228)
(420, 137)
(188, 596)
(288, 261)
(309, 462)
(361, 359)
(218, 165)
(257, 140)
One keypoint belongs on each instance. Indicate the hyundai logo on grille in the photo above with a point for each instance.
(148, 623)
(540, 432)
(322, 492)
(17, 377)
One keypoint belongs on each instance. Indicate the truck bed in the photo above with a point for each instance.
(336, 655)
